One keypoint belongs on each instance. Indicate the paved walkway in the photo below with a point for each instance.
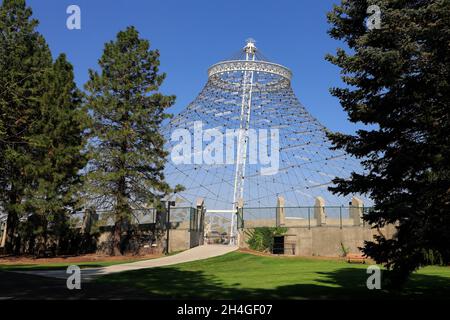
(197, 253)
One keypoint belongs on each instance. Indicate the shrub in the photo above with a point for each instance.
(261, 238)
(344, 250)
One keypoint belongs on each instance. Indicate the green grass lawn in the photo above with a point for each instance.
(245, 276)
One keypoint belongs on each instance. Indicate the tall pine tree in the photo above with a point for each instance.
(40, 108)
(25, 58)
(126, 146)
(398, 82)
(58, 142)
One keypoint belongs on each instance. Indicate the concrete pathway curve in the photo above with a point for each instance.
(194, 254)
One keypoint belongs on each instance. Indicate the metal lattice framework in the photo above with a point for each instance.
(252, 93)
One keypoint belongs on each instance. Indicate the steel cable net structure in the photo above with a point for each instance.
(253, 97)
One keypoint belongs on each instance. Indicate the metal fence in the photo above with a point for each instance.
(184, 215)
(297, 216)
(178, 215)
(107, 217)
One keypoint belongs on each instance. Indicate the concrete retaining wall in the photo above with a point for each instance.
(326, 240)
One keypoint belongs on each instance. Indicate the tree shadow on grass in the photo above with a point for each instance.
(347, 283)
(350, 284)
(173, 283)
(31, 287)
(32, 267)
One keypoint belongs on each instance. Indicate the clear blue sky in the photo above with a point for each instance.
(192, 35)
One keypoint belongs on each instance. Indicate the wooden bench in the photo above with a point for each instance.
(355, 257)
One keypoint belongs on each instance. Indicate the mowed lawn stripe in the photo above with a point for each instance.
(241, 275)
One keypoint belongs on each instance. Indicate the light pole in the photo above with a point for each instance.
(169, 204)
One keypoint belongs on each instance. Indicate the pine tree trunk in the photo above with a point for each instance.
(45, 247)
(117, 237)
(11, 226)
(12, 244)
(121, 210)
(121, 200)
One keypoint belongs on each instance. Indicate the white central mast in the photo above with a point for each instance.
(246, 104)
